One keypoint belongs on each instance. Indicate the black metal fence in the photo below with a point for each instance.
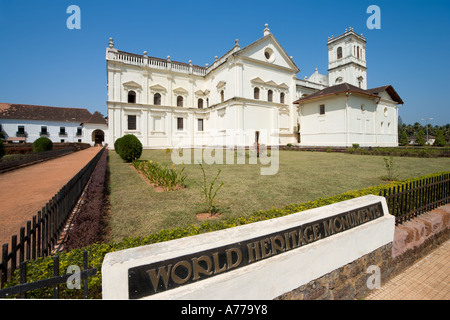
(42, 233)
(414, 198)
(54, 282)
(33, 158)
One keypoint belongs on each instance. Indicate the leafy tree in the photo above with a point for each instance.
(440, 139)
(420, 140)
(403, 138)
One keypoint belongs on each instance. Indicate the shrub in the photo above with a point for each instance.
(130, 148)
(117, 145)
(389, 165)
(161, 175)
(42, 144)
(209, 192)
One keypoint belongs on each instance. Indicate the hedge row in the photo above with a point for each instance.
(88, 224)
(43, 268)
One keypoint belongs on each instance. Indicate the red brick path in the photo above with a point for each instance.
(23, 192)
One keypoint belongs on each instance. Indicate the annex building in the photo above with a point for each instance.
(22, 123)
(250, 94)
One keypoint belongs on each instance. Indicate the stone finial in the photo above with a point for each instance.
(215, 58)
(145, 53)
(207, 65)
(266, 29)
(190, 62)
(111, 43)
(168, 58)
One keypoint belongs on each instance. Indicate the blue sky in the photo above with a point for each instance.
(43, 62)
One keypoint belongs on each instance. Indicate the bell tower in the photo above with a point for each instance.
(347, 59)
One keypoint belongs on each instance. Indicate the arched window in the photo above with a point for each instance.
(282, 97)
(207, 102)
(157, 99)
(131, 97)
(357, 52)
(339, 53)
(256, 93)
(222, 96)
(179, 101)
(270, 95)
(200, 103)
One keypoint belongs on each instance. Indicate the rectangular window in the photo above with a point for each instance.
(179, 123)
(131, 122)
(200, 124)
(62, 130)
(79, 129)
(322, 109)
(44, 130)
(21, 129)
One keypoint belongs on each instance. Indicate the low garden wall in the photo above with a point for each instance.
(412, 241)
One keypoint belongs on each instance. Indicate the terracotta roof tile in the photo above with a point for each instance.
(96, 118)
(346, 87)
(33, 112)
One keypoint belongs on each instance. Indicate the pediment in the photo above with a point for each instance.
(271, 83)
(283, 86)
(132, 84)
(202, 93)
(221, 84)
(180, 90)
(277, 56)
(157, 87)
(258, 80)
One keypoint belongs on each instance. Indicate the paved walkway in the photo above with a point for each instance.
(427, 279)
(25, 191)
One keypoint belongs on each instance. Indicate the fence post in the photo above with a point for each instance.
(22, 245)
(33, 242)
(4, 264)
(56, 274)
(28, 241)
(13, 253)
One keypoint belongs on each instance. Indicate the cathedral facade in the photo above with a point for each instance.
(250, 95)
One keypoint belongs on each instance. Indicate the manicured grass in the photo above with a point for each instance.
(138, 210)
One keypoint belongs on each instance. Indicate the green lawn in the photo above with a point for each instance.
(138, 210)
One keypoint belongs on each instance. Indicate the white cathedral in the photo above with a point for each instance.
(250, 95)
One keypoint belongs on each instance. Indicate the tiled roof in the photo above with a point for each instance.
(96, 118)
(32, 112)
(346, 87)
(390, 90)
(339, 88)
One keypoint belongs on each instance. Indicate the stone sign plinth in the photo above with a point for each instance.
(261, 260)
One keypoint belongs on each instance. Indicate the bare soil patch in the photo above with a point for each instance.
(208, 216)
